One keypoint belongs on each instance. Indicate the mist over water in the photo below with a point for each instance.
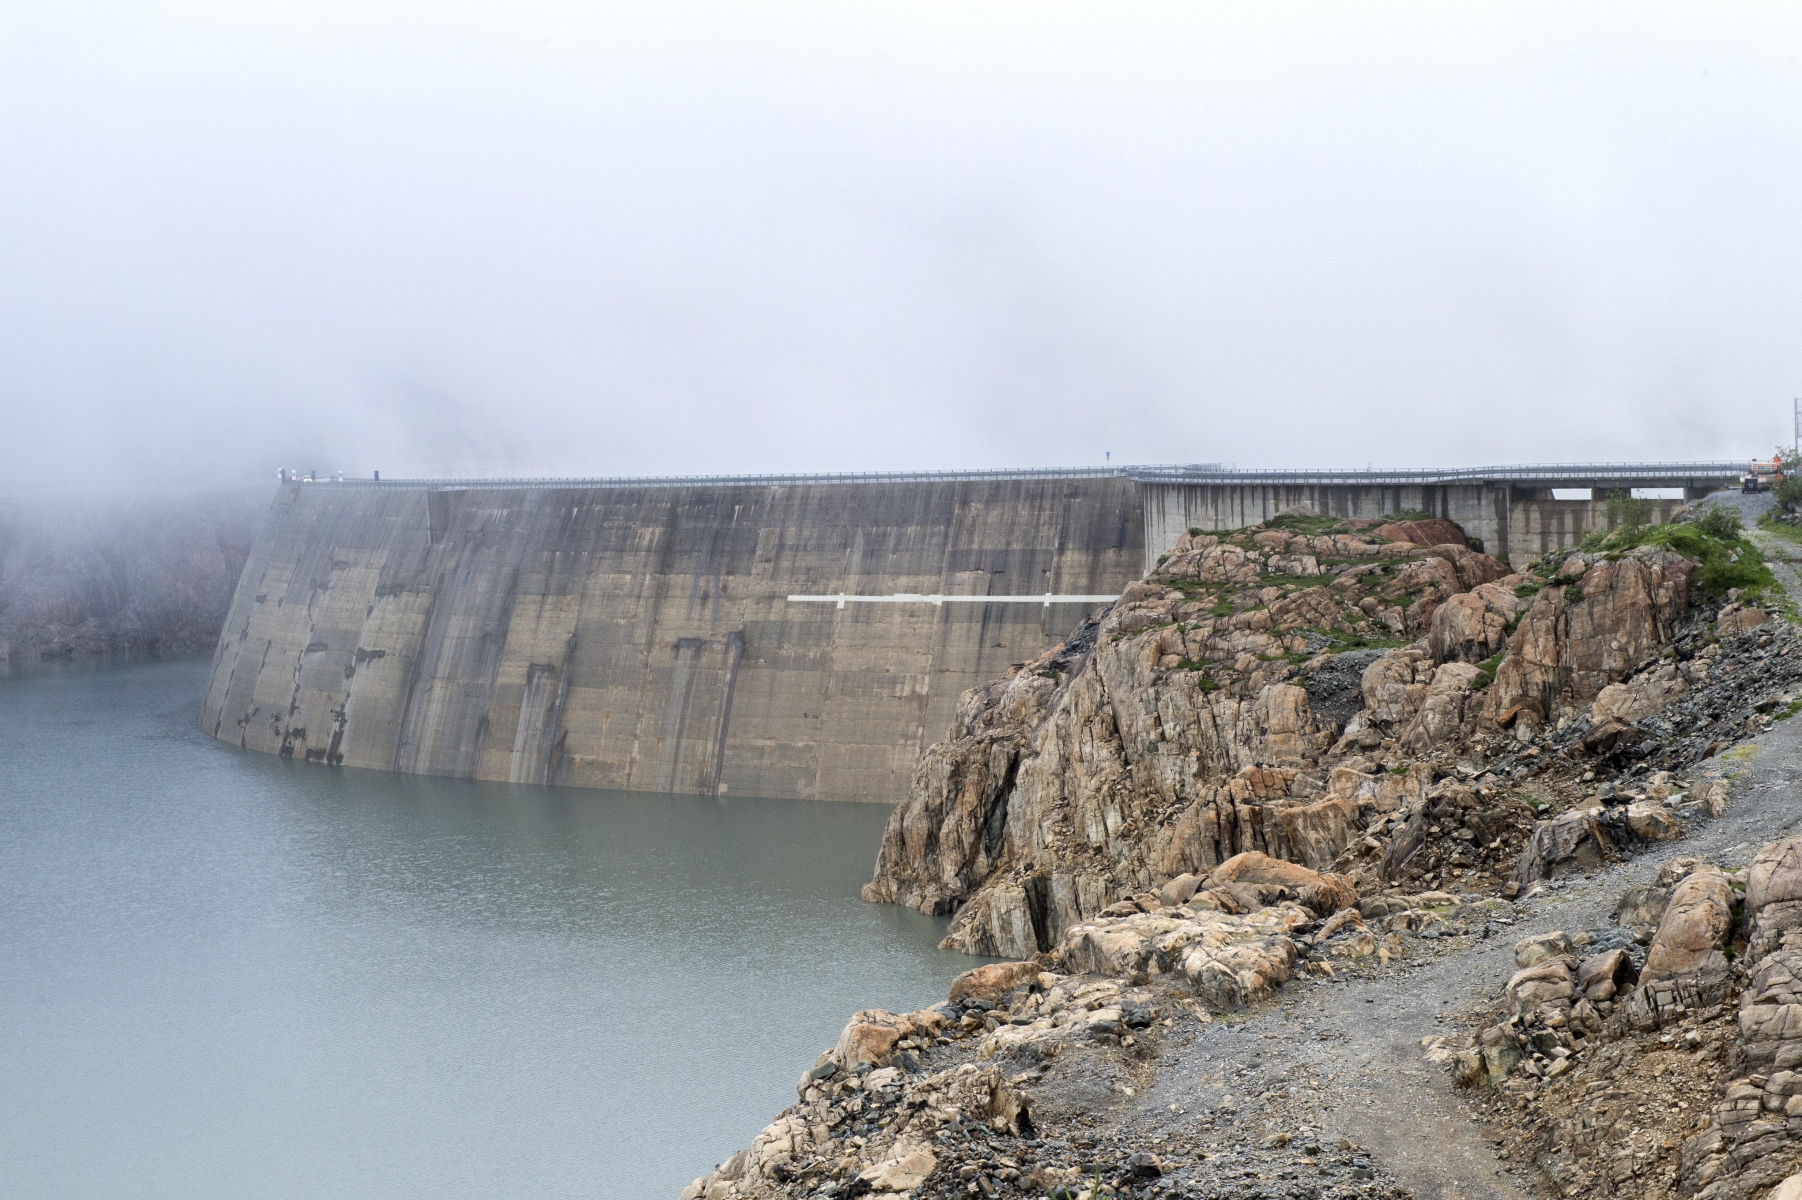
(225, 974)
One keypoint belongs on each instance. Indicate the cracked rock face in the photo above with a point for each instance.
(1182, 732)
(1568, 649)
(1207, 715)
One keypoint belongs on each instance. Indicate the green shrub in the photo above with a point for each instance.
(1726, 562)
(1789, 492)
(1528, 589)
(1624, 512)
(1722, 522)
(1573, 593)
(1486, 672)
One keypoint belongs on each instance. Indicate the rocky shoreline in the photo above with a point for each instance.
(1240, 795)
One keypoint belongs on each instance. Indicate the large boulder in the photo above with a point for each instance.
(1531, 951)
(992, 982)
(1774, 894)
(1545, 988)
(905, 1169)
(1604, 976)
(1441, 718)
(1228, 960)
(1474, 568)
(1584, 838)
(1431, 532)
(1324, 892)
(1645, 695)
(1692, 938)
(870, 1036)
(1466, 629)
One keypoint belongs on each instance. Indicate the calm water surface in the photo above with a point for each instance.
(223, 974)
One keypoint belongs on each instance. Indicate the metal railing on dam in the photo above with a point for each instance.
(1574, 475)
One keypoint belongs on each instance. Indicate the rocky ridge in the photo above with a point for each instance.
(1219, 845)
(1210, 711)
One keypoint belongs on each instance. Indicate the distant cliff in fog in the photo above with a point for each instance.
(120, 573)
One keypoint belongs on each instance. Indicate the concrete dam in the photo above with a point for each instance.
(638, 634)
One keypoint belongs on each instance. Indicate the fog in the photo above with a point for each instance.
(576, 240)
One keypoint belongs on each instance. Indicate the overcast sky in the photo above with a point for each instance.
(564, 239)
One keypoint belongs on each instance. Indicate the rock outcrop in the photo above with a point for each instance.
(1598, 623)
(1210, 712)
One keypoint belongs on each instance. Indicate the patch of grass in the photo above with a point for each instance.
(1306, 526)
(1726, 563)
(1354, 641)
(1573, 593)
(1486, 672)
(1782, 529)
(1528, 589)
(1789, 710)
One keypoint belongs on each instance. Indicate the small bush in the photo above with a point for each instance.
(1789, 492)
(1528, 589)
(1722, 522)
(1573, 593)
(1486, 672)
(1624, 512)
(1726, 562)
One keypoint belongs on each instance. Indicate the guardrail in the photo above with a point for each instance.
(637, 481)
(1574, 474)
(1545, 474)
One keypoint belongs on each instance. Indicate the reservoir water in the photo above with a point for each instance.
(225, 974)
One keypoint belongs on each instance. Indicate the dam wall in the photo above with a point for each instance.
(637, 634)
(1516, 519)
(641, 637)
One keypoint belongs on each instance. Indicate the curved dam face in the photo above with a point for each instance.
(641, 637)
